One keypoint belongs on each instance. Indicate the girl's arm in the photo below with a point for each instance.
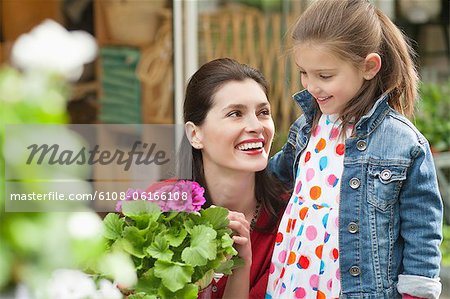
(238, 284)
(421, 212)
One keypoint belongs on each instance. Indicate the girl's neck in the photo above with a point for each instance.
(232, 189)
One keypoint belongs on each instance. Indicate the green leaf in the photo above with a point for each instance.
(159, 249)
(226, 267)
(174, 276)
(141, 211)
(135, 244)
(216, 216)
(142, 296)
(113, 226)
(176, 236)
(148, 283)
(206, 279)
(227, 241)
(227, 245)
(203, 246)
(190, 291)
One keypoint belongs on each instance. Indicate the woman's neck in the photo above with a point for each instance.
(232, 189)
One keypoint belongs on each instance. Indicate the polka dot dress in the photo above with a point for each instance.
(305, 262)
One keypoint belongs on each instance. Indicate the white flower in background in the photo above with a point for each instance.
(71, 284)
(108, 290)
(85, 225)
(119, 266)
(50, 47)
(74, 284)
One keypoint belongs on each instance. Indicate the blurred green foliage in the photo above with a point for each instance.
(445, 246)
(32, 245)
(433, 114)
(263, 4)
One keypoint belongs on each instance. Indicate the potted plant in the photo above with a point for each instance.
(175, 245)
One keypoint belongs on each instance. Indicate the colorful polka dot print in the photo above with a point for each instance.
(305, 262)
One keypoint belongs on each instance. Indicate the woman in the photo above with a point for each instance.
(230, 129)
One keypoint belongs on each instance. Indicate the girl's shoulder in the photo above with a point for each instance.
(403, 128)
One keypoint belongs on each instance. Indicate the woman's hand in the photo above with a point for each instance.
(241, 238)
(238, 284)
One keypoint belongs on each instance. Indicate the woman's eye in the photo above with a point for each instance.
(325, 76)
(234, 114)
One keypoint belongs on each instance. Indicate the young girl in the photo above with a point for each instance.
(230, 131)
(364, 219)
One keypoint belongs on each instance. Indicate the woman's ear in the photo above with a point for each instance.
(193, 134)
(372, 65)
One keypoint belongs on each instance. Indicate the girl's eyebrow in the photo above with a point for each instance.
(319, 70)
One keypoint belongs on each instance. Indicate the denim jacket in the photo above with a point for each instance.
(390, 214)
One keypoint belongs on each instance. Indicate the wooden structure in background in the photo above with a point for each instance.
(258, 39)
(146, 26)
(20, 16)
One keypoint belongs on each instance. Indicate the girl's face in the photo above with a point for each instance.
(332, 81)
(238, 130)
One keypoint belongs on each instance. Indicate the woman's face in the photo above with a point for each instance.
(238, 130)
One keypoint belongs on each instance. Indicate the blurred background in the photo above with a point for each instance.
(148, 49)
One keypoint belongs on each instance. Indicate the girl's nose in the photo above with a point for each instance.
(313, 88)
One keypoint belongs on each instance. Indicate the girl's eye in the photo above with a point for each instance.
(234, 114)
(325, 76)
(265, 112)
(302, 73)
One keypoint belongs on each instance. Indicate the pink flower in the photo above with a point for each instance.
(170, 195)
(180, 196)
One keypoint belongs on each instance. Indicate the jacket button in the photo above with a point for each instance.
(352, 227)
(386, 174)
(361, 145)
(355, 183)
(354, 271)
(214, 289)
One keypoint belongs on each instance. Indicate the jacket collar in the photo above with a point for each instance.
(366, 124)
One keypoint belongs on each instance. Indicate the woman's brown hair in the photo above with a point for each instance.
(199, 100)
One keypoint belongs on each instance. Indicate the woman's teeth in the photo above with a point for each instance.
(250, 146)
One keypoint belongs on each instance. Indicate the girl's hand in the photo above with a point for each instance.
(241, 238)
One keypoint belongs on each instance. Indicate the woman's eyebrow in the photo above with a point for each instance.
(234, 106)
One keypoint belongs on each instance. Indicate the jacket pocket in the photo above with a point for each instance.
(384, 184)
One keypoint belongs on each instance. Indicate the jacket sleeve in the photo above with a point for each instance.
(421, 212)
(282, 163)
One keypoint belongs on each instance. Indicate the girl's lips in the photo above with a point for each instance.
(322, 99)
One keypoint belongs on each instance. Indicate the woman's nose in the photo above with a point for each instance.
(254, 124)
